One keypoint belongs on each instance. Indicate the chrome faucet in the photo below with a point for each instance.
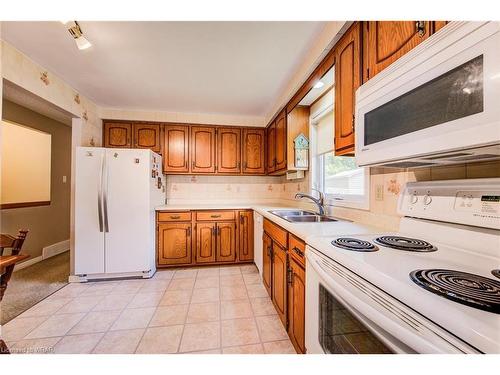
(320, 202)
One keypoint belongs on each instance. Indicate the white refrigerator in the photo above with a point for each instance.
(116, 192)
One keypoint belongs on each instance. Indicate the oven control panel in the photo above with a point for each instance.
(470, 202)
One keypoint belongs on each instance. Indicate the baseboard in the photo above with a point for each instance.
(47, 252)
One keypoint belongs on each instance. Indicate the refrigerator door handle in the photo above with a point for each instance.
(105, 199)
(99, 194)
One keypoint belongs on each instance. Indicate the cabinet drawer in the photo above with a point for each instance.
(174, 216)
(297, 249)
(215, 215)
(276, 233)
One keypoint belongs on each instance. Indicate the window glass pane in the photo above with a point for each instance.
(341, 176)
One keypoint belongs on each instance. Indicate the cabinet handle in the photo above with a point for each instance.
(353, 122)
(241, 218)
(175, 217)
(239, 164)
(189, 231)
(289, 276)
(299, 252)
(420, 28)
(192, 165)
(215, 216)
(218, 231)
(213, 231)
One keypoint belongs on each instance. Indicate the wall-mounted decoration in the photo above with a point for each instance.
(44, 77)
(77, 98)
(92, 142)
(85, 116)
(301, 147)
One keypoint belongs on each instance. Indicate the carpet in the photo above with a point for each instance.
(32, 284)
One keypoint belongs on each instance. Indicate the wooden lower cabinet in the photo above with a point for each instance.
(205, 242)
(279, 285)
(296, 305)
(266, 262)
(226, 242)
(245, 235)
(174, 244)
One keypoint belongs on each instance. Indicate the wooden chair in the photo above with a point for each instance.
(7, 264)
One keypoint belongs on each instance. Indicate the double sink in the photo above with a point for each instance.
(301, 216)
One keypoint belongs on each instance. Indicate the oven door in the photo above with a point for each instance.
(346, 314)
(435, 105)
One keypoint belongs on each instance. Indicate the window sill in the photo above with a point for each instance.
(358, 205)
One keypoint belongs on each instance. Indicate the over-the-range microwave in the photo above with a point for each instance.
(438, 104)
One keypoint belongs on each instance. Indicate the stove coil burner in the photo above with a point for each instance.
(466, 288)
(405, 243)
(354, 244)
(496, 273)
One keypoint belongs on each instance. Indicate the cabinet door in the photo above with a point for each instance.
(296, 305)
(202, 149)
(147, 136)
(174, 244)
(245, 235)
(267, 248)
(271, 148)
(253, 151)
(439, 25)
(279, 285)
(228, 150)
(347, 80)
(281, 136)
(117, 134)
(176, 149)
(387, 41)
(205, 242)
(226, 242)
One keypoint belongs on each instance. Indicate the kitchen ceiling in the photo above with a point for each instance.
(194, 67)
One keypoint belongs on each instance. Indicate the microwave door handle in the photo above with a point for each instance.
(105, 198)
(99, 194)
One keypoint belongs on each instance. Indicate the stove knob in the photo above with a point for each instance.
(427, 200)
(414, 199)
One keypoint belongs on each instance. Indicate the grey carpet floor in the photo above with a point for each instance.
(32, 284)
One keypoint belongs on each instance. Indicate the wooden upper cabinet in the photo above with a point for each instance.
(174, 243)
(202, 149)
(279, 283)
(438, 25)
(245, 235)
(117, 134)
(228, 150)
(267, 244)
(296, 306)
(253, 151)
(205, 242)
(147, 136)
(347, 80)
(271, 148)
(387, 41)
(176, 149)
(226, 242)
(281, 141)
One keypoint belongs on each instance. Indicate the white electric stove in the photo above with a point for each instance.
(433, 287)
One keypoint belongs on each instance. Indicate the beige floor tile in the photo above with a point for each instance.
(279, 347)
(252, 278)
(229, 293)
(256, 290)
(128, 287)
(98, 289)
(213, 351)
(244, 349)
(205, 295)
(133, 318)
(145, 300)
(236, 309)
(163, 275)
(203, 312)
(169, 315)
(46, 307)
(80, 304)
(188, 273)
(119, 342)
(208, 272)
(262, 306)
(181, 284)
(78, 344)
(239, 332)
(249, 268)
(71, 290)
(207, 282)
(19, 327)
(113, 302)
(56, 325)
(34, 346)
(232, 280)
(176, 297)
(151, 286)
(230, 270)
(200, 336)
(95, 321)
(270, 328)
(160, 340)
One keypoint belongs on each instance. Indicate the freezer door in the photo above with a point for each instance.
(89, 235)
(127, 210)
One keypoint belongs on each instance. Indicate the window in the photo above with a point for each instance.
(26, 164)
(342, 182)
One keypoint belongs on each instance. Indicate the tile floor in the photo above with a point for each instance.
(223, 310)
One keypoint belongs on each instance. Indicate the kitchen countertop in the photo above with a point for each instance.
(301, 230)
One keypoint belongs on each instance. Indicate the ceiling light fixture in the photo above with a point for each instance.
(318, 85)
(77, 33)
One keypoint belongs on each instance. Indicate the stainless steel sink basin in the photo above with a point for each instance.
(283, 213)
(301, 216)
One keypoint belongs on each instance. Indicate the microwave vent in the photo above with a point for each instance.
(477, 157)
(409, 164)
(447, 156)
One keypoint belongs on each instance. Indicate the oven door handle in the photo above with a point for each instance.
(387, 321)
